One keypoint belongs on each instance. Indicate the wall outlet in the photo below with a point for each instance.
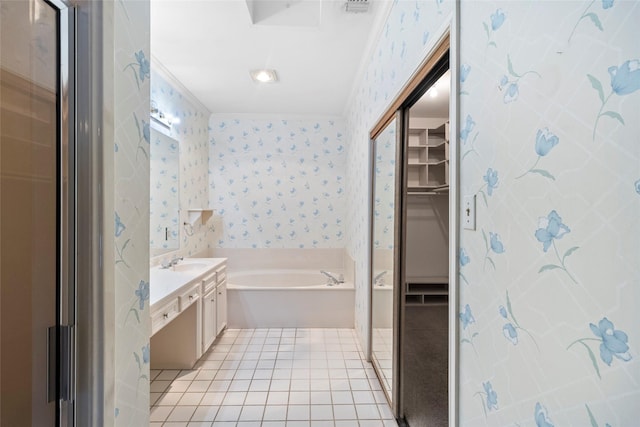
(469, 212)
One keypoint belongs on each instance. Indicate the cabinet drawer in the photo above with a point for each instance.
(164, 315)
(190, 296)
(209, 282)
(221, 273)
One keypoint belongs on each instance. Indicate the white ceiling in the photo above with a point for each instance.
(315, 47)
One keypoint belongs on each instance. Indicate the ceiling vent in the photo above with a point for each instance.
(357, 6)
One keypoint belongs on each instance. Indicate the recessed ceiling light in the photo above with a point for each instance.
(433, 92)
(264, 76)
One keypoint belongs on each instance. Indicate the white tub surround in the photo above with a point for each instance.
(291, 306)
(188, 310)
(283, 288)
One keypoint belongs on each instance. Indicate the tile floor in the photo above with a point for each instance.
(273, 378)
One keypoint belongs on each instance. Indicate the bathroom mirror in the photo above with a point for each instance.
(382, 257)
(164, 157)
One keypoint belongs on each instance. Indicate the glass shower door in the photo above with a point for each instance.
(34, 214)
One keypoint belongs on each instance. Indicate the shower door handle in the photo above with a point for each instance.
(60, 363)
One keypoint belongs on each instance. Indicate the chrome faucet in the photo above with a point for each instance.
(168, 264)
(378, 279)
(333, 280)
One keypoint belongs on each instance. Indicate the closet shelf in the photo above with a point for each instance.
(428, 158)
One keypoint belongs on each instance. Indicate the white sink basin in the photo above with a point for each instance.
(190, 267)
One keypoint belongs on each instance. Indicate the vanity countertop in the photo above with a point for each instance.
(165, 283)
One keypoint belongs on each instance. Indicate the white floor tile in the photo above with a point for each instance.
(225, 374)
(244, 374)
(251, 413)
(205, 413)
(342, 397)
(273, 378)
(279, 385)
(169, 399)
(168, 374)
(344, 412)
(239, 385)
(190, 399)
(300, 385)
(228, 413)
(181, 413)
(160, 413)
(278, 398)
(367, 412)
(219, 385)
(159, 386)
(188, 374)
(256, 398)
(205, 374)
(298, 412)
(275, 413)
(319, 384)
(321, 398)
(198, 386)
(259, 385)
(363, 396)
(224, 424)
(233, 398)
(213, 398)
(321, 412)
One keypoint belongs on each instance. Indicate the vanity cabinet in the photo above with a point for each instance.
(162, 315)
(221, 300)
(188, 315)
(214, 313)
(209, 314)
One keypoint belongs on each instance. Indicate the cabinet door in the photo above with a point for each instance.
(221, 309)
(208, 319)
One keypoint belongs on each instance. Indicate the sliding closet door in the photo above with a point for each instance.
(384, 280)
(424, 308)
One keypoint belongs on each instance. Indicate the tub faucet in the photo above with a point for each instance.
(378, 280)
(333, 280)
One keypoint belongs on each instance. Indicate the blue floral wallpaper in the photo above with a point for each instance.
(127, 269)
(277, 182)
(191, 132)
(550, 281)
(403, 42)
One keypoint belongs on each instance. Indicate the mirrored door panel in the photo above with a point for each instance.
(383, 241)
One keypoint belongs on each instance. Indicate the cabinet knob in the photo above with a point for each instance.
(213, 300)
(220, 293)
(165, 315)
(190, 297)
